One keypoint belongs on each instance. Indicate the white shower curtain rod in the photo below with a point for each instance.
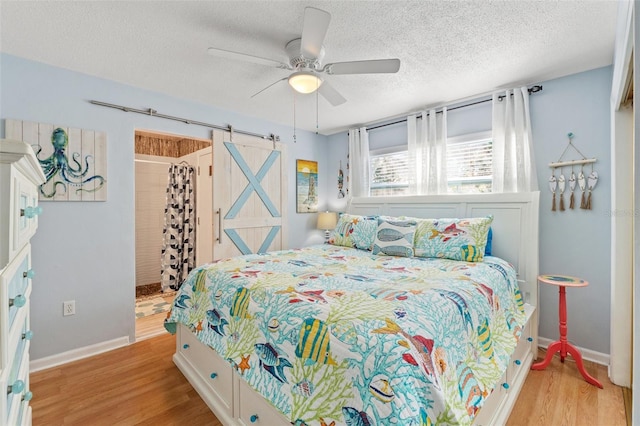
(153, 113)
(138, 160)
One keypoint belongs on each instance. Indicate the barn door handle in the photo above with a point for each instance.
(219, 213)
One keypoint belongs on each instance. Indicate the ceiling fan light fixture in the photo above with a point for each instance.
(304, 81)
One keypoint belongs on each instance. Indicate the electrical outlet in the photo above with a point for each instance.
(69, 308)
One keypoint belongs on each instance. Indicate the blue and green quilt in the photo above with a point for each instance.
(335, 335)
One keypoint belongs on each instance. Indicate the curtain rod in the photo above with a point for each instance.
(153, 113)
(533, 89)
(139, 160)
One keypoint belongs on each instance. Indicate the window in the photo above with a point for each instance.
(469, 163)
(469, 166)
(389, 171)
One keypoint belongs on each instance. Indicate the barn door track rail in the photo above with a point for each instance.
(153, 113)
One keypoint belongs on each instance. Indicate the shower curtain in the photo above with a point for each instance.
(179, 234)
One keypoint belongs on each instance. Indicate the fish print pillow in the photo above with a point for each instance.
(456, 239)
(354, 231)
(394, 237)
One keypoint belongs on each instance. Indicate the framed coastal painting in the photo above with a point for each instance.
(73, 160)
(306, 186)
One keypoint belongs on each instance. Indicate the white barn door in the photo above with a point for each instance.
(249, 195)
(204, 207)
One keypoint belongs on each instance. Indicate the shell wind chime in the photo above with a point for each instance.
(572, 187)
(553, 185)
(340, 182)
(585, 184)
(592, 180)
(561, 186)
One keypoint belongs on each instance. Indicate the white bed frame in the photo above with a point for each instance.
(515, 239)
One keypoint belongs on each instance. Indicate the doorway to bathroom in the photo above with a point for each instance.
(173, 220)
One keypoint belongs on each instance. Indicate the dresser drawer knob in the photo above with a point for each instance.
(28, 395)
(517, 362)
(19, 301)
(254, 418)
(27, 335)
(529, 339)
(16, 388)
(185, 346)
(505, 385)
(30, 212)
(214, 375)
(29, 274)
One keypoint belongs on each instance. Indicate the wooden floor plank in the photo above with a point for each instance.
(140, 385)
(134, 385)
(558, 395)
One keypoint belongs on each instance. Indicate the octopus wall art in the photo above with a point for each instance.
(67, 171)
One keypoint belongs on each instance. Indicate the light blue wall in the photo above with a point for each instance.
(572, 242)
(576, 242)
(85, 251)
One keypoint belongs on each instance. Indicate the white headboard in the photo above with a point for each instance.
(515, 224)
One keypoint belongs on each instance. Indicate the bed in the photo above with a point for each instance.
(337, 335)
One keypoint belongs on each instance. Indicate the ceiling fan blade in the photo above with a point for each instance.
(314, 29)
(363, 67)
(330, 94)
(272, 84)
(221, 53)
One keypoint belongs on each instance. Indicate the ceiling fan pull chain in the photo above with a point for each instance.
(294, 117)
(317, 113)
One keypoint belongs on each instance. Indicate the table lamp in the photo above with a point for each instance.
(327, 221)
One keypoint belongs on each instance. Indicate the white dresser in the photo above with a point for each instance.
(20, 175)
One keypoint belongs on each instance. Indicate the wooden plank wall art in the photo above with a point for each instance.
(306, 186)
(586, 184)
(74, 161)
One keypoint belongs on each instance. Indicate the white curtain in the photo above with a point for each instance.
(513, 162)
(359, 162)
(415, 156)
(427, 148)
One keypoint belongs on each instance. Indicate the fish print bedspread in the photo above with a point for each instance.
(334, 335)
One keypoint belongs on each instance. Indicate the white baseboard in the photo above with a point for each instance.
(76, 354)
(587, 354)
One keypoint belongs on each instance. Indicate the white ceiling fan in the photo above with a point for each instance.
(305, 59)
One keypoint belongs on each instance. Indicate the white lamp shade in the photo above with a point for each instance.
(327, 220)
(304, 82)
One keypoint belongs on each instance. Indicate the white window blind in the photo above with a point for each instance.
(469, 165)
(389, 172)
(469, 159)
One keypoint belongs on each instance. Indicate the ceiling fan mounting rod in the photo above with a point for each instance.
(298, 60)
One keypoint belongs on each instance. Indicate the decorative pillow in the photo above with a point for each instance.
(394, 237)
(354, 231)
(456, 239)
(487, 249)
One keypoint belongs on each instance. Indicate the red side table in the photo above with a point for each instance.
(562, 345)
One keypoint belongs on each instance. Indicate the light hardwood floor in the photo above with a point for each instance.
(139, 385)
(151, 325)
(134, 385)
(559, 395)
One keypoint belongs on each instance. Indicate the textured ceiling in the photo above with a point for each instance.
(449, 50)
